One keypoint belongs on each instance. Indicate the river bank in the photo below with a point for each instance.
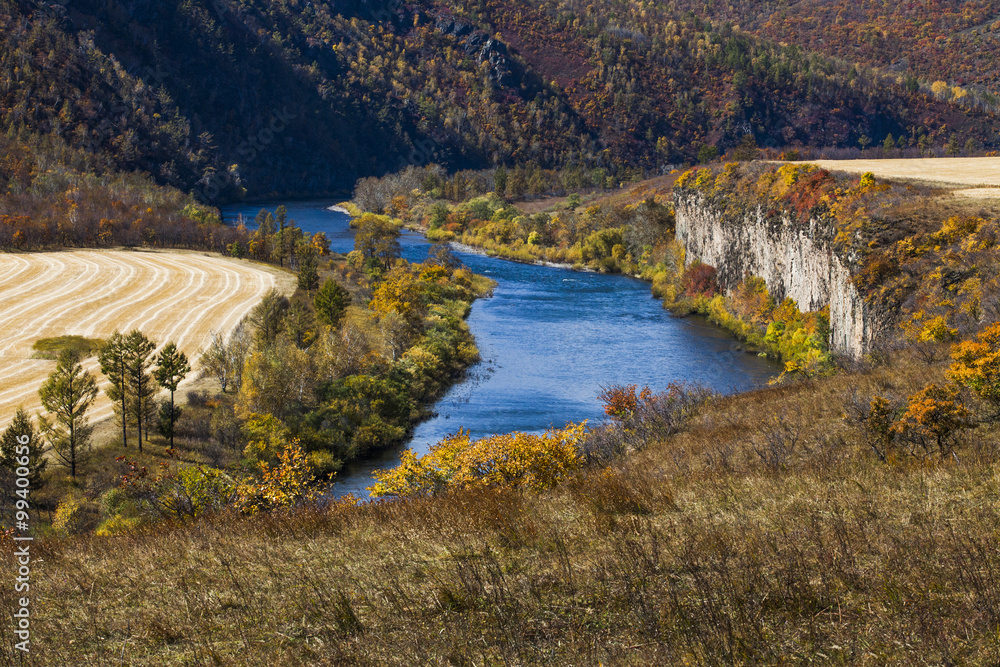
(550, 338)
(474, 250)
(631, 232)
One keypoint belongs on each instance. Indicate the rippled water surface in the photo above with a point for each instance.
(550, 338)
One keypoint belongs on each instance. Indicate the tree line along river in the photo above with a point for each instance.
(549, 339)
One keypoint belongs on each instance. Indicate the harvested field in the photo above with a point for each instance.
(179, 296)
(976, 172)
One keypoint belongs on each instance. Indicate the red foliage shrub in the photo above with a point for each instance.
(699, 280)
(806, 193)
(621, 401)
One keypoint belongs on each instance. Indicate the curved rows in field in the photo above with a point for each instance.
(179, 296)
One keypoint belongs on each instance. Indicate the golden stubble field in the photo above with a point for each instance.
(980, 176)
(178, 296)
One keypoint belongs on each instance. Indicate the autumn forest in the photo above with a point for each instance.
(188, 383)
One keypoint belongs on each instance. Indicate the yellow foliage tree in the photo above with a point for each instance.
(401, 292)
(932, 420)
(69, 517)
(976, 364)
(517, 459)
(266, 437)
(287, 484)
(936, 330)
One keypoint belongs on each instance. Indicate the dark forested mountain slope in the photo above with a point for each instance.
(954, 42)
(226, 97)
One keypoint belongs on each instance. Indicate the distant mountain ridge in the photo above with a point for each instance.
(232, 98)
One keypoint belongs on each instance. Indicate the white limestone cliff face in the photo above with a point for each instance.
(794, 260)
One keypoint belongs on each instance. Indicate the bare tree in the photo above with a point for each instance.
(224, 358)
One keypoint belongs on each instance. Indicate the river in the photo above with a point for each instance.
(549, 339)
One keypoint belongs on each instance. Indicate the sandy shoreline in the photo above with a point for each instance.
(473, 250)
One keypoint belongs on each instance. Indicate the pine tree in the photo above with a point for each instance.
(300, 323)
(140, 385)
(283, 236)
(268, 316)
(114, 364)
(265, 235)
(22, 440)
(171, 368)
(500, 181)
(281, 217)
(264, 222)
(951, 148)
(67, 395)
(308, 273)
(889, 144)
(331, 302)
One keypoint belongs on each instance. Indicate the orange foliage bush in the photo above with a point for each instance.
(621, 402)
(977, 364)
(933, 419)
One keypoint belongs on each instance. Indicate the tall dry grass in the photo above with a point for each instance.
(762, 533)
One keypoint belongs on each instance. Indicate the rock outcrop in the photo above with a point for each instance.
(795, 260)
(485, 48)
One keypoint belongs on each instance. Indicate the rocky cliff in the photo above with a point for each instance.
(794, 260)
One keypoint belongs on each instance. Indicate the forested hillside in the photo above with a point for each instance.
(951, 43)
(235, 98)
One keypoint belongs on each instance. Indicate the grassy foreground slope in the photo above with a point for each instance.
(764, 531)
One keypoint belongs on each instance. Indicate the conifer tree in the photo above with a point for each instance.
(264, 222)
(331, 301)
(300, 323)
(264, 235)
(67, 395)
(21, 437)
(171, 368)
(500, 181)
(281, 217)
(114, 364)
(889, 144)
(283, 235)
(267, 317)
(140, 385)
(308, 273)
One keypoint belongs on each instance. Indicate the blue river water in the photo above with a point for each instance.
(550, 339)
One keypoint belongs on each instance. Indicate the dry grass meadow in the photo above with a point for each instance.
(179, 296)
(974, 173)
(764, 532)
